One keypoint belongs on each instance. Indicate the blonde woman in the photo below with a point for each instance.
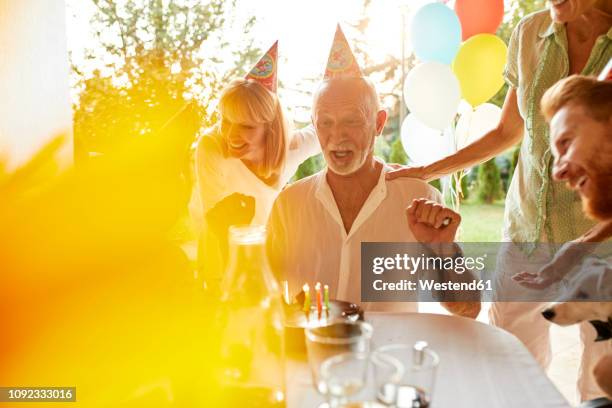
(245, 160)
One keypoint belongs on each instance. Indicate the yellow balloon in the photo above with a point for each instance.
(479, 66)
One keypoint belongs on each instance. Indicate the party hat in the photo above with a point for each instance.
(265, 71)
(341, 61)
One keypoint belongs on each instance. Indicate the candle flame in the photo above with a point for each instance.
(318, 286)
(305, 288)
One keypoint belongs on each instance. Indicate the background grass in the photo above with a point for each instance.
(481, 222)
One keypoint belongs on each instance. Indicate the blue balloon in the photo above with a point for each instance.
(436, 33)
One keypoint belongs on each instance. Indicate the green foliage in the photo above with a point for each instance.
(398, 155)
(309, 167)
(513, 161)
(437, 184)
(515, 11)
(489, 182)
(465, 186)
(149, 64)
(382, 148)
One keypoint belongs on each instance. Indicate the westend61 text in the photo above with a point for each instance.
(432, 285)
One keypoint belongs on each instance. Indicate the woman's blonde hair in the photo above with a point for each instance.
(246, 100)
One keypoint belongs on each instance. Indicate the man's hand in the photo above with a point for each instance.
(404, 171)
(431, 222)
(435, 225)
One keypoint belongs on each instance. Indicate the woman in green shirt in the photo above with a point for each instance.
(572, 37)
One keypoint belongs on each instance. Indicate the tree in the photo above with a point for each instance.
(398, 155)
(150, 61)
(513, 162)
(489, 182)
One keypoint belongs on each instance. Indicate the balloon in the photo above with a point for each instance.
(432, 93)
(479, 66)
(464, 107)
(435, 33)
(422, 144)
(472, 125)
(479, 16)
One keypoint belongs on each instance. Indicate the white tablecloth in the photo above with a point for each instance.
(480, 365)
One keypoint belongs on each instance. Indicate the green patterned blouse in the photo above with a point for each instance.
(539, 209)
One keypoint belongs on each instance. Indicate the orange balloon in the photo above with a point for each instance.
(479, 16)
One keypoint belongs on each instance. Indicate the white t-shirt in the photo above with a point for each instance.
(219, 176)
(310, 243)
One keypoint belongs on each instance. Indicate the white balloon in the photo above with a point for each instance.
(432, 93)
(464, 106)
(463, 128)
(422, 144)
(472, 125)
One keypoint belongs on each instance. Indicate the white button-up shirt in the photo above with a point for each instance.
(308, 242)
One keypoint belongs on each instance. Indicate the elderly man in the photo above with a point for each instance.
(317, 225)
(579, 110)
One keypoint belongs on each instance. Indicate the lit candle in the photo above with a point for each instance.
(306, 290)
(286, 292)
(319, 298)
(326, 296)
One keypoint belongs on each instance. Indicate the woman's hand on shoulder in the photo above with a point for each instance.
(400, 171)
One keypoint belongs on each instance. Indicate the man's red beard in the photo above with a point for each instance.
(599, 207)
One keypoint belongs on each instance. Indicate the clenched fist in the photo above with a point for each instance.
(431, 222)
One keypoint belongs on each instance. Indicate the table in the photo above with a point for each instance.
(480, 365)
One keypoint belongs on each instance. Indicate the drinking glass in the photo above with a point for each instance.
(387, 374)
(344, 375)
(415, 385)
(339, 337)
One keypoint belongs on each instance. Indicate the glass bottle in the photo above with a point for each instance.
(252, 344)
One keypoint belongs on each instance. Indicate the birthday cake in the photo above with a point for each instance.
(296, 320)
